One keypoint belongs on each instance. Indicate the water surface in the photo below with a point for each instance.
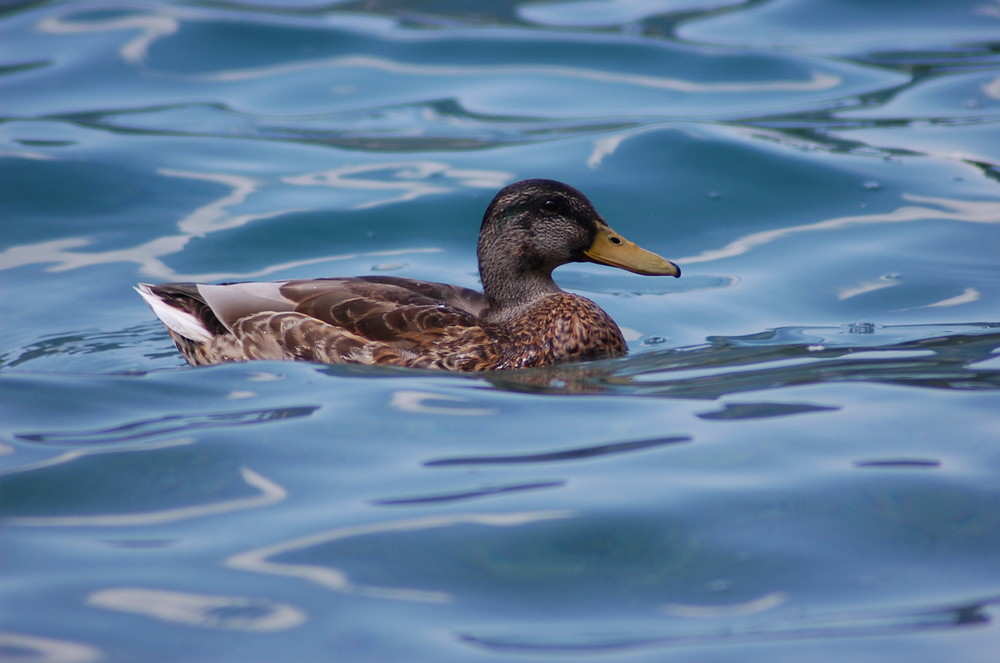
(797, 460)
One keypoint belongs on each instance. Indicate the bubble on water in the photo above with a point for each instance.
(653, 340)
(872, 185)
(861, 328)
(815, 348)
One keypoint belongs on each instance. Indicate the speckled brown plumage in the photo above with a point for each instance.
(522, 318)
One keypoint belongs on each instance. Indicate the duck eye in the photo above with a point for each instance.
(614, 240)
(552, 205)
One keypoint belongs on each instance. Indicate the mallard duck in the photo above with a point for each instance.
(521, 319)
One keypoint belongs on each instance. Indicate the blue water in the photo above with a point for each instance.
(798, 461)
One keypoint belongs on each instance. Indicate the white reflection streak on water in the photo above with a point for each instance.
(949, 209)
(865, 287)
(608, 145)
(70, 456)
(204, 220)
(234, 613)
(417, 401)
(753, 607)
(816, 81)
(992, 89)
(414, 186)
(968, 296)
(214, 216)
(150, 27)
(337, 580)
(270, 493)
(33, 156)
(47, 650)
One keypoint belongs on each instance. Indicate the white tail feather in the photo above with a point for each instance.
(174, 318)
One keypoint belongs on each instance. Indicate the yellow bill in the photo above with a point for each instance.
(610, 248)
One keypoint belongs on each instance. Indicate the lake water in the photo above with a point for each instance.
(798, 461)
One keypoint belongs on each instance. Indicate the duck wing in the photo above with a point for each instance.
(381, 307)
(375, 319)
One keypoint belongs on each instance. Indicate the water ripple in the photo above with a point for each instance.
(798, 455)
(812, 625)
(568, 454)
(164, 425)
(917, 355)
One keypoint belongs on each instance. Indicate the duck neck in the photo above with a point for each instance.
(509, 289)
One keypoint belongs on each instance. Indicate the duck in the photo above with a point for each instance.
(521, 319)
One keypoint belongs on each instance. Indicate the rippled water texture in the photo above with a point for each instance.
(798, 461)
